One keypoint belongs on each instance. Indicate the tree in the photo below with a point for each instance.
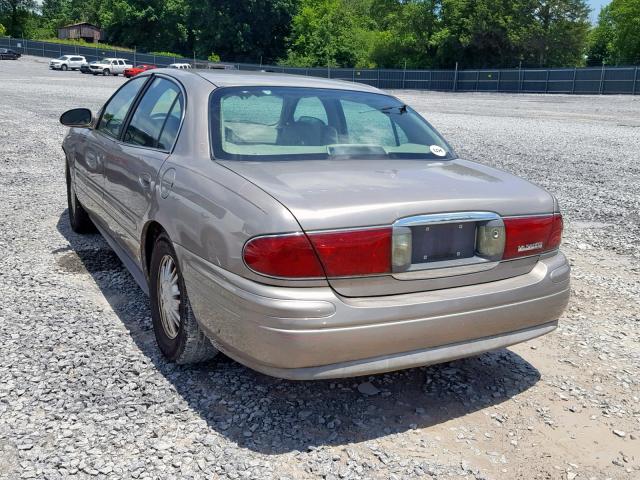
(601, 48)
(15, 14)
(240, 30)
(3, 31)
(620, 27)
(330, 33)
(558, 33)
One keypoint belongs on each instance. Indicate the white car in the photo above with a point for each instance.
(67, 62)
(180, 66)
(110, 66)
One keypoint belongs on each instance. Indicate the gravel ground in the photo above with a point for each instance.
(84, 392)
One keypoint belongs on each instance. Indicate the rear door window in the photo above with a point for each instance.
(156, 120)
(115, 112)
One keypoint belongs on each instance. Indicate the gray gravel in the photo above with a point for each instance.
(84, 392)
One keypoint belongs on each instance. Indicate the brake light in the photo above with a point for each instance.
(356, 252)
(289, 256)
(334, 254)
(531, 235)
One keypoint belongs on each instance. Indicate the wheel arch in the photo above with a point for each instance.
(151, 231)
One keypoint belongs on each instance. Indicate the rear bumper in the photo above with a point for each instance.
(312, 333)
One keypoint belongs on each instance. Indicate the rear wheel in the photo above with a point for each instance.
(179, 337)
(78, 216)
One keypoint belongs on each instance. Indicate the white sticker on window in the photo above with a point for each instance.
(439, 151)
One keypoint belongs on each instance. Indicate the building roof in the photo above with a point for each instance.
(81, 23)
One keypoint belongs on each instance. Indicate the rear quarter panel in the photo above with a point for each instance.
(206, 208)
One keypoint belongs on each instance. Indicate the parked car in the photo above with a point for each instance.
(86, 67)
(180, 66)
(8, 54)
(310, 228)
(67, 62)
(132, 72)
(109, 66)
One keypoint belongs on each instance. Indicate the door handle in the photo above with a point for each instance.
(145, 181)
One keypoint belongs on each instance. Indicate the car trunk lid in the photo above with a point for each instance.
(351, 194)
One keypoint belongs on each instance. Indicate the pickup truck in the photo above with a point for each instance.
(110, 66)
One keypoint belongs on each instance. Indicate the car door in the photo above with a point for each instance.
(76, 62)
(92, 154)
(131, 174)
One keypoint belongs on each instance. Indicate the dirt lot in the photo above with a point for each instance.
(84, 392)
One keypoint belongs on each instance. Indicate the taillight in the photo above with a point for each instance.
(334, 254)
(356, 252)
(531, 235)
(289, 256)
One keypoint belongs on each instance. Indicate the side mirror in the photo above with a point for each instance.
(77, 117)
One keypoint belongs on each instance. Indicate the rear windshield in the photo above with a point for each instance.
(293, 123)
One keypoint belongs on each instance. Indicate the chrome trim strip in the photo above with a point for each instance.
(453, 217)
(440, 272)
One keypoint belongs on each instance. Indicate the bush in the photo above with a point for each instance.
(165, 54)
(3, 31)
(214, 57)
(82, 43)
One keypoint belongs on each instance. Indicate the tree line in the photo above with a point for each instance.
(346, 33)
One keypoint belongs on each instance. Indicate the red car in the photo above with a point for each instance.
(132, 72)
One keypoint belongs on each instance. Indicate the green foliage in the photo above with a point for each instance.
(360, 33)
(16, 15)
(166, 54)
(82, 43)
(439, 33)
(241, 30)
(213, 57)
(3, 31)
(616, 38)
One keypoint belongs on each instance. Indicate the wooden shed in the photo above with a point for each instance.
(80, 31)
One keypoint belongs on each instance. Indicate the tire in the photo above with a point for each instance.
(64, 68)
(78, 216)
(179, 336)
(106, 72)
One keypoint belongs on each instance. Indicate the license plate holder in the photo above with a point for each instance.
(440, 242)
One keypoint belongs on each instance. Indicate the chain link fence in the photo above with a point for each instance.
(601, 80)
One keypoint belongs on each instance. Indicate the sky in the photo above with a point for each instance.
(595, 7)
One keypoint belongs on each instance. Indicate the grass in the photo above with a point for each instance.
(82, 43)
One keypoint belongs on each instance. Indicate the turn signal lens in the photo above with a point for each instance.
(289, 256)
(532, 235)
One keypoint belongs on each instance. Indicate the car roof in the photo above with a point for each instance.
(235, 78)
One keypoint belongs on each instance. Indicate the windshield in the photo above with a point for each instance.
(292, 123)
(64, 57)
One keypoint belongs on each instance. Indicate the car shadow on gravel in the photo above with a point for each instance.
(273, 416)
